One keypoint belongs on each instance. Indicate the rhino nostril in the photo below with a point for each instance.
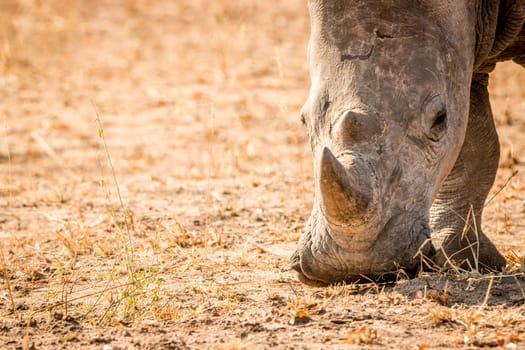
(295, 261)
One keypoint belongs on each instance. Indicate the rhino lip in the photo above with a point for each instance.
(305, 279)
(311, 261)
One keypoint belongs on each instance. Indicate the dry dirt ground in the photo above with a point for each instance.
(154, 178)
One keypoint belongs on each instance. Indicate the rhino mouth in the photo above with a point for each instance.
(319, 260)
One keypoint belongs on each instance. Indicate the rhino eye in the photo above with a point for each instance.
(439, 126)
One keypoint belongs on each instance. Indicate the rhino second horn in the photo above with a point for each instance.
(343, 203)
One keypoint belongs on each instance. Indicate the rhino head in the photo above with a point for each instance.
(386, 117)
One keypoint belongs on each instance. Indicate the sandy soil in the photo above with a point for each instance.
(155, 176)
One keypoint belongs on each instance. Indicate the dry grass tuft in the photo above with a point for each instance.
(363, 335)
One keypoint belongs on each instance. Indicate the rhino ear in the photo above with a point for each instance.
(500, 32)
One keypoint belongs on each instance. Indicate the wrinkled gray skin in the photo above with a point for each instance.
(402, 134)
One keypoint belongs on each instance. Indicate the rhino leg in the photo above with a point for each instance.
(455, 216)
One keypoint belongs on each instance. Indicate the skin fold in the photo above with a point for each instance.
(402, 135)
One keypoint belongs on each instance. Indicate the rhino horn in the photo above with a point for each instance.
(344, 198)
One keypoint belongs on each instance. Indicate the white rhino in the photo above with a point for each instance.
(403, 139)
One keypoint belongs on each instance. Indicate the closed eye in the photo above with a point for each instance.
(440, 120)
(439, 125)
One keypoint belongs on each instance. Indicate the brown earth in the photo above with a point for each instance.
(198, 109)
